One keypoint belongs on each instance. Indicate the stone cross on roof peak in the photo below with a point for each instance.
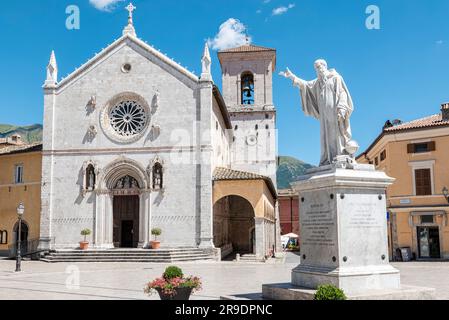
(129, 29)
(130, 9)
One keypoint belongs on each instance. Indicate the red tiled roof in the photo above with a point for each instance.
(20, 149)
(247, 48)
(223, 174)
(435, 120)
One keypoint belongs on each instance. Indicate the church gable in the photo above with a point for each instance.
(139, 47)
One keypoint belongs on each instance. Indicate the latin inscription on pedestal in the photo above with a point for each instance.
(318, 229)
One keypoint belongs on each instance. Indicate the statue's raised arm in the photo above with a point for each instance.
(290, 75)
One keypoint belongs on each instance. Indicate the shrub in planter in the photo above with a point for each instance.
(156, 232)
(84, 244)
(173, 285)
(329, 292)
(172, 272)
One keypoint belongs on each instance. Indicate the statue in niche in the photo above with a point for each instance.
(157, 177)
(90, 178)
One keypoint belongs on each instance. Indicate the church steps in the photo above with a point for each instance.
(128, 255)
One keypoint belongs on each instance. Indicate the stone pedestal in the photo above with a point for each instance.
(343, 233)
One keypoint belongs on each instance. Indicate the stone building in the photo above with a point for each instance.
(20, 182)
(416, 153)
(132, 141)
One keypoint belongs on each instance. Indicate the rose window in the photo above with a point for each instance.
(128, 118)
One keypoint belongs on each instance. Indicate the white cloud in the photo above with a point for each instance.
(281, 10)
(104, 5)
(440, 42)
(232, 34)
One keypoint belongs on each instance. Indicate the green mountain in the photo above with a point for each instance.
(29, 134)
(289, 170)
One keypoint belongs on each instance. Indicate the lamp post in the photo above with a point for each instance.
(446, 193)
(20, 211)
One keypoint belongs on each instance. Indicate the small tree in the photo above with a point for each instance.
(85, 233)
(156, 232)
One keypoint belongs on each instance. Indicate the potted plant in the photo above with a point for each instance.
(84, 244)
(156, 232)
(173, 285)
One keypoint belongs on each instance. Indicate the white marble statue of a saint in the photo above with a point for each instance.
(327, 99)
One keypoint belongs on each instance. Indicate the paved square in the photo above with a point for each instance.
(126, 280)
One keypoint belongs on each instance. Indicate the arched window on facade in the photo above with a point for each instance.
(247, 88)
(158, 179)
(90, 177)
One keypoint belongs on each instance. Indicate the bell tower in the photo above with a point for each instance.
(247, 73)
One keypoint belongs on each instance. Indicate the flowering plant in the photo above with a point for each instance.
(171, 281)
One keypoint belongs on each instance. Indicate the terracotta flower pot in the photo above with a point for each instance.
(84, 245)
(181, 294)
(155, 244)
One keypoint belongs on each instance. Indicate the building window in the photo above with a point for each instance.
(236, 127)
(423, 182)
(421, 147)
(383, 155)
(18, 174)
(376, 161)
(267, 127)
(257, 127)
(3, 237)
(247, 88)
(427, 219)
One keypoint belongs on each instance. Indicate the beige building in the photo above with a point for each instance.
(20, 182)
(416, 153)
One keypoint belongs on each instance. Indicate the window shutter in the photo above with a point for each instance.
(432, 146)
(423, 182)
(410, 148)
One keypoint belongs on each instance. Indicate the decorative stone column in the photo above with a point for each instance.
(260, 237)
(144, 220)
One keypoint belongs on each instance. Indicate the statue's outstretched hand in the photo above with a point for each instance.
(287, 74)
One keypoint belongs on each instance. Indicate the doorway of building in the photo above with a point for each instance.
(126, 221)
(429, 242)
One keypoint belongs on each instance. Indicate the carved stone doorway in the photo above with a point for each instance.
(126, 221)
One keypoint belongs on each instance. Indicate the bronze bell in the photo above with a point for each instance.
(247, 91)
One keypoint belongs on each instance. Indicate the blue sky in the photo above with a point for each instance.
(400, 71)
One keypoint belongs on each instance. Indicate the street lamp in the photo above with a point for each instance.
(20, 212)
(446, 193)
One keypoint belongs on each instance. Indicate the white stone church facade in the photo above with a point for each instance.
(133, 141)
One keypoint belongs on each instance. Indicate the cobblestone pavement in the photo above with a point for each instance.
(40, 280)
